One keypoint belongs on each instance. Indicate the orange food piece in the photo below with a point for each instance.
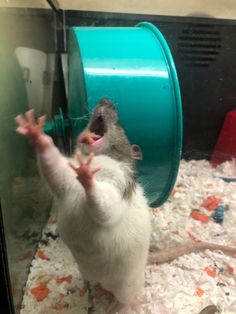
(210, 271)
(40, 292)
(67, 279)
(42, 255)
(230, 269)
(199, 216)
(211, 202)
(199, 292)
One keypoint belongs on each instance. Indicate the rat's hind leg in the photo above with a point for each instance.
(126, 294)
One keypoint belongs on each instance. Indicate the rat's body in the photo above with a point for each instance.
(103, 215)
(109, 245)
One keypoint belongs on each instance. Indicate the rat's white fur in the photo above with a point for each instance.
(107, 235)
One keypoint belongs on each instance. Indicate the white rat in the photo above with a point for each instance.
(104, 216)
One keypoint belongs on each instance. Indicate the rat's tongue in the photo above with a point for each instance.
(89, 137)
(95, 136)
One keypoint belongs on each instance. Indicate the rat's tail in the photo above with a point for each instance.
(169, 255)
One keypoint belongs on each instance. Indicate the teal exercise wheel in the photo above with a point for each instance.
(133, 67)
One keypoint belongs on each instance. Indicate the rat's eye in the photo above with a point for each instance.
(98, 126)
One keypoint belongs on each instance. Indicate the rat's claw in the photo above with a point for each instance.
(95, 170)
(20, 121)
(79, 158)
(90, 158)
(22, 130)
(30, 116)
(41, 121)
(72, 166)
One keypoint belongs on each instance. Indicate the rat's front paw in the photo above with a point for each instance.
(33, 130)
(84, 173)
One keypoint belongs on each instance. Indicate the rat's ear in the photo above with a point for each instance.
(137, 152)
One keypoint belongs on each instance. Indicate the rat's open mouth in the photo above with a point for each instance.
(97, 128)
(95, 134)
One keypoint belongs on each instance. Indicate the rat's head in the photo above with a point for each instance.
(104, 135)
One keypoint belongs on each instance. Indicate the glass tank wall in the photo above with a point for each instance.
(27, 61)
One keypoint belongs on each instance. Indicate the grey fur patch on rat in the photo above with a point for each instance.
(121, 150)
(119, 146)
